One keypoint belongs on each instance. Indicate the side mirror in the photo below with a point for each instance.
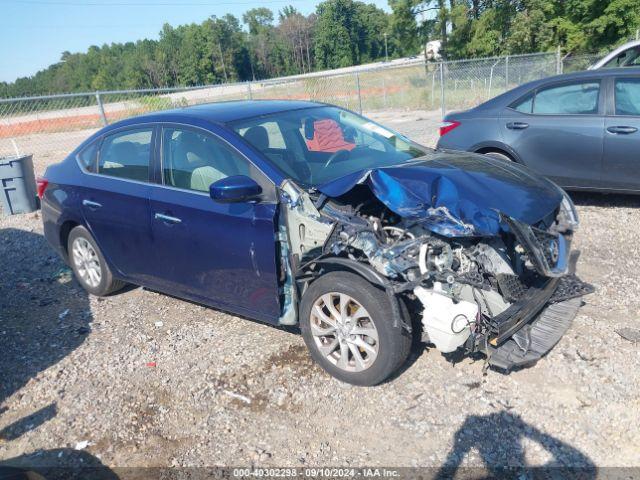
(237, 188)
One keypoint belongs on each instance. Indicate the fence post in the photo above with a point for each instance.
(506, 73)
(384, 91)
(491, 76)
(442, 105)
(249, 92)
(359, 93)
(101, 109)
(433, 89)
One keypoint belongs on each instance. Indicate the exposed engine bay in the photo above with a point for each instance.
(470, 292)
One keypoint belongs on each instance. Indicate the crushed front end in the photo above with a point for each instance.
(498, 286)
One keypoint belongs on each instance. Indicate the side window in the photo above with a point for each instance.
(194, 160)
(126, 155)
(87, 157)
(628, 96)
(572, 99)
(524, 105)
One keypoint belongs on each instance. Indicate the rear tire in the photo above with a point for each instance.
(499, 156)
(88, 264)
(363, 329)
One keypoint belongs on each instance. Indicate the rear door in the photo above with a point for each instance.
(115, 201)
(557, 130)
(622, 136)
(221, 254)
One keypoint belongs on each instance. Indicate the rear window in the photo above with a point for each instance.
(126, 155)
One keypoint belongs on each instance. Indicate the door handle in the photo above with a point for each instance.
(91, 205)
(624, 130)
(167, 218)
(517, 125)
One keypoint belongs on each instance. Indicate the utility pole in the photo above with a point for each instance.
(386, 50)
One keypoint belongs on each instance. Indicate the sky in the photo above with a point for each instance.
(34, 33)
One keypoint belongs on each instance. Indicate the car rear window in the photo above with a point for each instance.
(126, 154)
(628, 96)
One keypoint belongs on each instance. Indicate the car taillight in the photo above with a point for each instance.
(446, 127)
(42, 184)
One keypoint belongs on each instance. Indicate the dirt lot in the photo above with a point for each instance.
(142, 379)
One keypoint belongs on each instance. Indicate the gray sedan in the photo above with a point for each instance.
(582, 130)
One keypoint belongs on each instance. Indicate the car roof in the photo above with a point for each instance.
(614, 53)
(506, 98)
(224, 112)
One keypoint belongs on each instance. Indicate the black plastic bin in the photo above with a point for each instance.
(17, 185)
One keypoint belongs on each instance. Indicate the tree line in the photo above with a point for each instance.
(339, 33)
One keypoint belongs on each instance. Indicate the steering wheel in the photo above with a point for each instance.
(338, 156)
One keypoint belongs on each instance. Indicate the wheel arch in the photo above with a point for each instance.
(498, 147)
(361, 269)
(333, 264)
(63, 235)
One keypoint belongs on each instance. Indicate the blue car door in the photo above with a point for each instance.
(114, 200)
(221, 254)
(622, 136)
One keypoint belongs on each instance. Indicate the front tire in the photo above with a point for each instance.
(88, 264)
(348, 327)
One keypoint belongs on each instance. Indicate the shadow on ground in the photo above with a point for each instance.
(498, 438)
(56, 464)
(44, 316)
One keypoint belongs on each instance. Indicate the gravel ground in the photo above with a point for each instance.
(143, 379)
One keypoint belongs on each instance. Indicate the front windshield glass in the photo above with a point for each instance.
(319, 144)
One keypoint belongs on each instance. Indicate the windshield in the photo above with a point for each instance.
(319, 144)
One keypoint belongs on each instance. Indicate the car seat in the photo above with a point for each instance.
(328, 137)
(192, 165)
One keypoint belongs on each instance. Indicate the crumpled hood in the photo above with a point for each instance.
(456, 194)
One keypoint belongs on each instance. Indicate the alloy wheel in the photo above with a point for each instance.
(86, 261)
(344, 332)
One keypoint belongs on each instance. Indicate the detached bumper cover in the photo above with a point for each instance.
(531, 327)
(535, 339)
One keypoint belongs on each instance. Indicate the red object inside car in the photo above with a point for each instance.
(328, 137)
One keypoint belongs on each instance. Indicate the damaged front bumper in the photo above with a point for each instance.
(529, 328)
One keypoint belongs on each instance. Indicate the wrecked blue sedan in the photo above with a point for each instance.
(298, 213)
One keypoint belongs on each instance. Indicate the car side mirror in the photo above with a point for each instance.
(237, 188)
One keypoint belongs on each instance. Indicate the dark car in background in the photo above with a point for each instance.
(581, 130)
(299, 213)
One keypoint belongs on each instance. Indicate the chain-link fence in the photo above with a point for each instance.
(49, 127)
